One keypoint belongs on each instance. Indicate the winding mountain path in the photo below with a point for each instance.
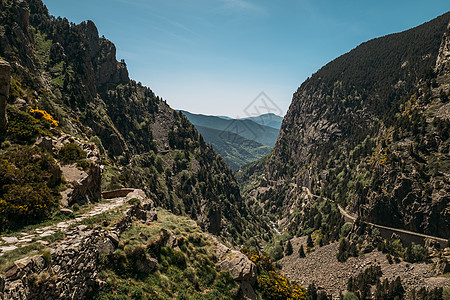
(21, 239)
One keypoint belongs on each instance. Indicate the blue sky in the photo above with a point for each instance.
(216, 56)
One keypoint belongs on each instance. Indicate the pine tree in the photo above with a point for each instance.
(289, 249)
(301, 252)
(309, 241)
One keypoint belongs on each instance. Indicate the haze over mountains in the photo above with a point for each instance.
(238, 141)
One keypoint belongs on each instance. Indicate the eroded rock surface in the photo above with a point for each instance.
(5, 74)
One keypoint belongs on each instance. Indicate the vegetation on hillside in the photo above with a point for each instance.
(187, 271)
(367, 131)
(143, 142)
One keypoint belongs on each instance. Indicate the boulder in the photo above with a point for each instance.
(86, 186)
(246, 291)
(146, 264)
(105, 247)
(241, 268)
(66, 211)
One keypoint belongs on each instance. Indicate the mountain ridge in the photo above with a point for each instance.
(374, 98)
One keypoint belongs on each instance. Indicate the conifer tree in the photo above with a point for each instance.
(289, 249)
(309, 241)
(301, 252)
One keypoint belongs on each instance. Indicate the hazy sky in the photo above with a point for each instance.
(217, 56)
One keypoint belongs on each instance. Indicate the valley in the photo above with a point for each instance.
(107, 192)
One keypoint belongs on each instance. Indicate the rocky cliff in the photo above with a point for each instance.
(370, 131)
(5, 73)
(71, 73)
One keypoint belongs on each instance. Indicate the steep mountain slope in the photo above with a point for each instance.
(71, 73)
(244, 127)
(235, 150)
(370, 131)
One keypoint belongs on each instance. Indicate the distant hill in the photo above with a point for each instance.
(271, 120)
(235, 150)
(238, 141)
(246, 128)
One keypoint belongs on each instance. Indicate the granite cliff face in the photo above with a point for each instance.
(370, 131)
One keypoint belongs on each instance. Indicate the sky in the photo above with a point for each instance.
(222, 57)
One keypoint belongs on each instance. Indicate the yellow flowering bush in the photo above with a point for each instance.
(262, 261)
(274, 286)
(42, 114)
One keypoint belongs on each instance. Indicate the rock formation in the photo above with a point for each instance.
(5, 75)
(241, 268)
(443, 59)
(69, 269)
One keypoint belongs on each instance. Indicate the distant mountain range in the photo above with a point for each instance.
(271, 120)
(238, 141)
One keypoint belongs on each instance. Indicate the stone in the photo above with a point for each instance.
(241, 268)
(246, 291)
(113, 237)
(66, 211)
(82, 227)
(5, 79)
(45, 143)
(39, 263)
(442, 267)
(47, 233)
(15, 271)
(105, 247)
(10, 239)
(146, 264)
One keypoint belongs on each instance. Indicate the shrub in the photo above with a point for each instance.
(274, 286)
(350, 296)
(134, 201)
(42, 114)
(345, 229)
(22, 127)
(416, 253)
(70, 153)
(28, 186)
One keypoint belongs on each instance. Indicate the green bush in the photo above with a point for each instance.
(345, 229)
(28, 186)
(70, 153)
(350, 296)
(416, 253)
(23, 128)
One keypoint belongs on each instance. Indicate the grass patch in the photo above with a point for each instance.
(188, 271)
(11, 256)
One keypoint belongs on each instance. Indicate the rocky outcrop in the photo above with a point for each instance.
(5, 77)
(67, 271)
(241, 268)
(88, 188)
(443, 59)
